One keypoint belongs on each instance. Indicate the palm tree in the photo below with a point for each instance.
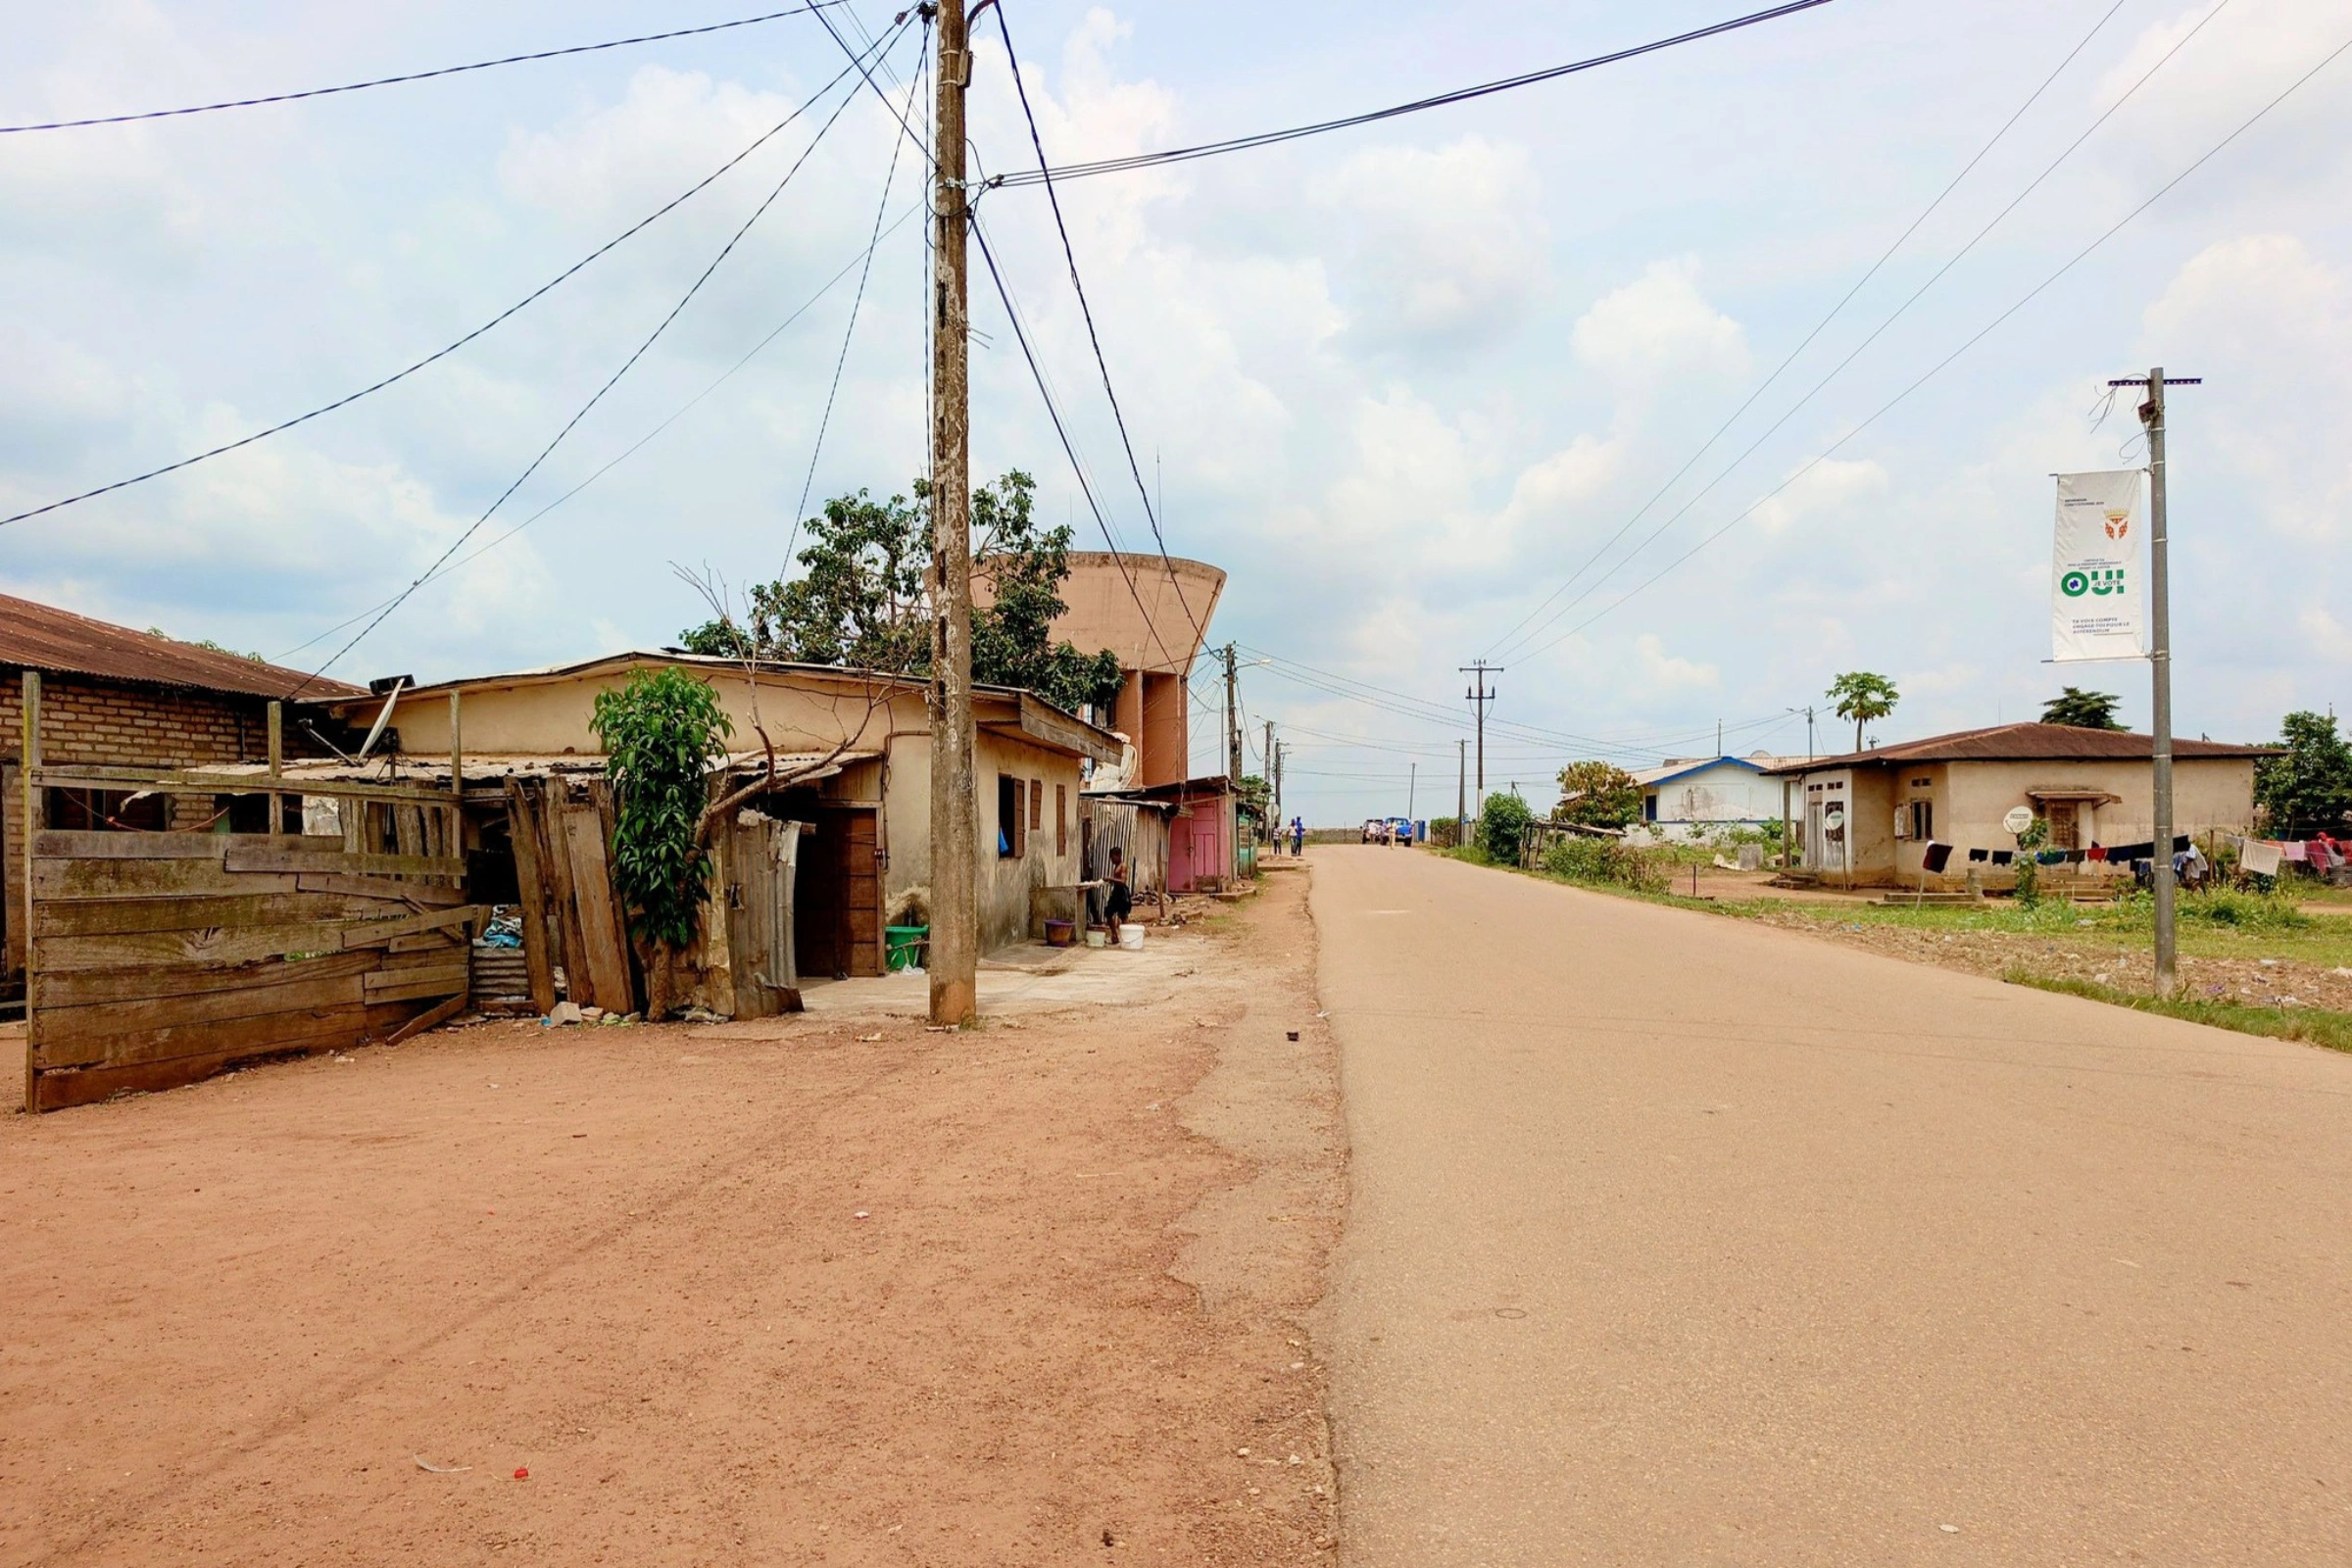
(1864, 698)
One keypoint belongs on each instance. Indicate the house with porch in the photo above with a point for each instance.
(1866, 818)
(1687, 798)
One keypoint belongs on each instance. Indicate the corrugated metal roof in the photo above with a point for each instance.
(2026, 743)
(43, 637)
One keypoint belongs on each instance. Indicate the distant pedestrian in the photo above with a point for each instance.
(1298, 836)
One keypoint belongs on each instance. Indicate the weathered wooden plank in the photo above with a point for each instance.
(407, 985)
(70, 1037)
(608, 810)
(109, 776)
(396, 890)
(555, 857)
(431, 1018)
(84, 987)
(343, 1022)
(89, 917)
(58, 844)
(149, 879)
(369, 933)
(427, 942)
(605, 963)
(523, 834)
(221, 943)
(247, 854)
(59, 1090)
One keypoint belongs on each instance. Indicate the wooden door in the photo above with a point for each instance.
(763, 856)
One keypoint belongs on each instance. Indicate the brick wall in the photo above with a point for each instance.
(90, 720)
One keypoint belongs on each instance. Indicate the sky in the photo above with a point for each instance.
(1451, 386)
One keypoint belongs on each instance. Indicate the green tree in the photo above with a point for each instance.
(1502, 827)
(2078, 708)
(1257, 800)
(2308, 788)
(864, 599)
(1864, 698)
(1598, 794)
(661, 734)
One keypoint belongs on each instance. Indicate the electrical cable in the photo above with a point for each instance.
(1021, 335)
(418, 76)
(881, 210)
(610, 381)
(1108, 166)
(630, 451)
(1087, 310)
(1498, 650)
(1939, 367)
(1855, 352)
(443, 353)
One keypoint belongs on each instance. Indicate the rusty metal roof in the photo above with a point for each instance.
(43, 637)
(2025, 742)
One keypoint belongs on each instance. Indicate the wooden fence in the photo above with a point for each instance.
(155, 959)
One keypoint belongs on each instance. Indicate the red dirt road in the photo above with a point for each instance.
(744, 1294)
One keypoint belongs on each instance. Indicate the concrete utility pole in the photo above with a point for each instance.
(1413, 785)
(2160, 662)
(1478, 696)
(1462, 793)
(954, 958)
(1278, 751)
(1273, 783)
(1232, 725)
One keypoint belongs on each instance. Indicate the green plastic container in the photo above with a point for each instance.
(903, 945)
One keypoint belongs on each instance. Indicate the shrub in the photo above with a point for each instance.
(1445, 833)
(1503, 827)
(1606, 863)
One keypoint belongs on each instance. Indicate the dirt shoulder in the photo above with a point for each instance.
(826, 1290)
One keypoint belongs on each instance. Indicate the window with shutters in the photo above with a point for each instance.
(1061, 819)
(1037, 804)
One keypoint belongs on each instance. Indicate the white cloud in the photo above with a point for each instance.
(1660, 329)
(1664, 674)
(1836, 486)
(1443, 244)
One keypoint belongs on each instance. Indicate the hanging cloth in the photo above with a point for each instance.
(1980, 854)
(2259, 858)
(1936, 857)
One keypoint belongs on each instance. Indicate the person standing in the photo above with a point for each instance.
(1119, 901)
(1298, 836)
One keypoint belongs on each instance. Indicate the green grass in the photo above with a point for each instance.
(2212, 925)
(2332, 1030)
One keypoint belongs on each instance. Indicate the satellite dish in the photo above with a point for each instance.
(1833, 817)
(2017, 820)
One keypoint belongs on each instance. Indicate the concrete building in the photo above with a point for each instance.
(115, 697)
(1868, 817)
(1688, 796)
(866, 740)
(1154, 614)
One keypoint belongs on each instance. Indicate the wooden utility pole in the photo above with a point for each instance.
(954, 958)
(1273, 782)
(2160, 664)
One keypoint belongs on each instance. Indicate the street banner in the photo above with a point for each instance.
(2095, 593)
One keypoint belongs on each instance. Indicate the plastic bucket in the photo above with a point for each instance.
(1096, 936)
(903, 945)
(1131, 937)
(1058, 933)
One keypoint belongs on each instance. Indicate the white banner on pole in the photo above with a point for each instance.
(2095, 593)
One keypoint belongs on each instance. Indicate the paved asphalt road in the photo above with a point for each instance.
(1678, 1240)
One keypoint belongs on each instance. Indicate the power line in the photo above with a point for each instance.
(1504, 645)
(1875, 333)
(632, 449)
(881, 210)
(417, 76)
(1087, 310)
(1021, 335)
(610, 381)
(1109, 166)
(1979, 336)
(445, 351)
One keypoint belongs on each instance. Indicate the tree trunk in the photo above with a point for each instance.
(660, 982)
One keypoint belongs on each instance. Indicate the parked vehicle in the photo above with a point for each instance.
(1375, 830)
(1400, 831)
